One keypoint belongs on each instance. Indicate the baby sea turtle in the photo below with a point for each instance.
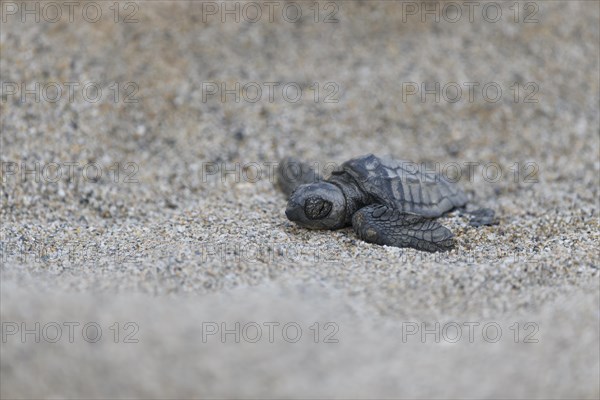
(387, 201)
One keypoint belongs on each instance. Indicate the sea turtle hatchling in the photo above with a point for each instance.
(387, 201)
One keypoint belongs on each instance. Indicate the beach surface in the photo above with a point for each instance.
(145, 250)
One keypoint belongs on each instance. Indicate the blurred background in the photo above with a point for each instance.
(144, 247)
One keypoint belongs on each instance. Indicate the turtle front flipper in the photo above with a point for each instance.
(293, 173)
(383, 225)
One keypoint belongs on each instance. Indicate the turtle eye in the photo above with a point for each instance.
(316, 208)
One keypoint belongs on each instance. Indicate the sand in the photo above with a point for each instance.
(148, 211)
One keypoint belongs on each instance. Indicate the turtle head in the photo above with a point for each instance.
(320, 205)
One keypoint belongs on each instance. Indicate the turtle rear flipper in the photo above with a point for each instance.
(480, 217)
(293, 173)
(383, 225)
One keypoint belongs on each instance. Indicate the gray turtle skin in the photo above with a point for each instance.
(387, 201)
